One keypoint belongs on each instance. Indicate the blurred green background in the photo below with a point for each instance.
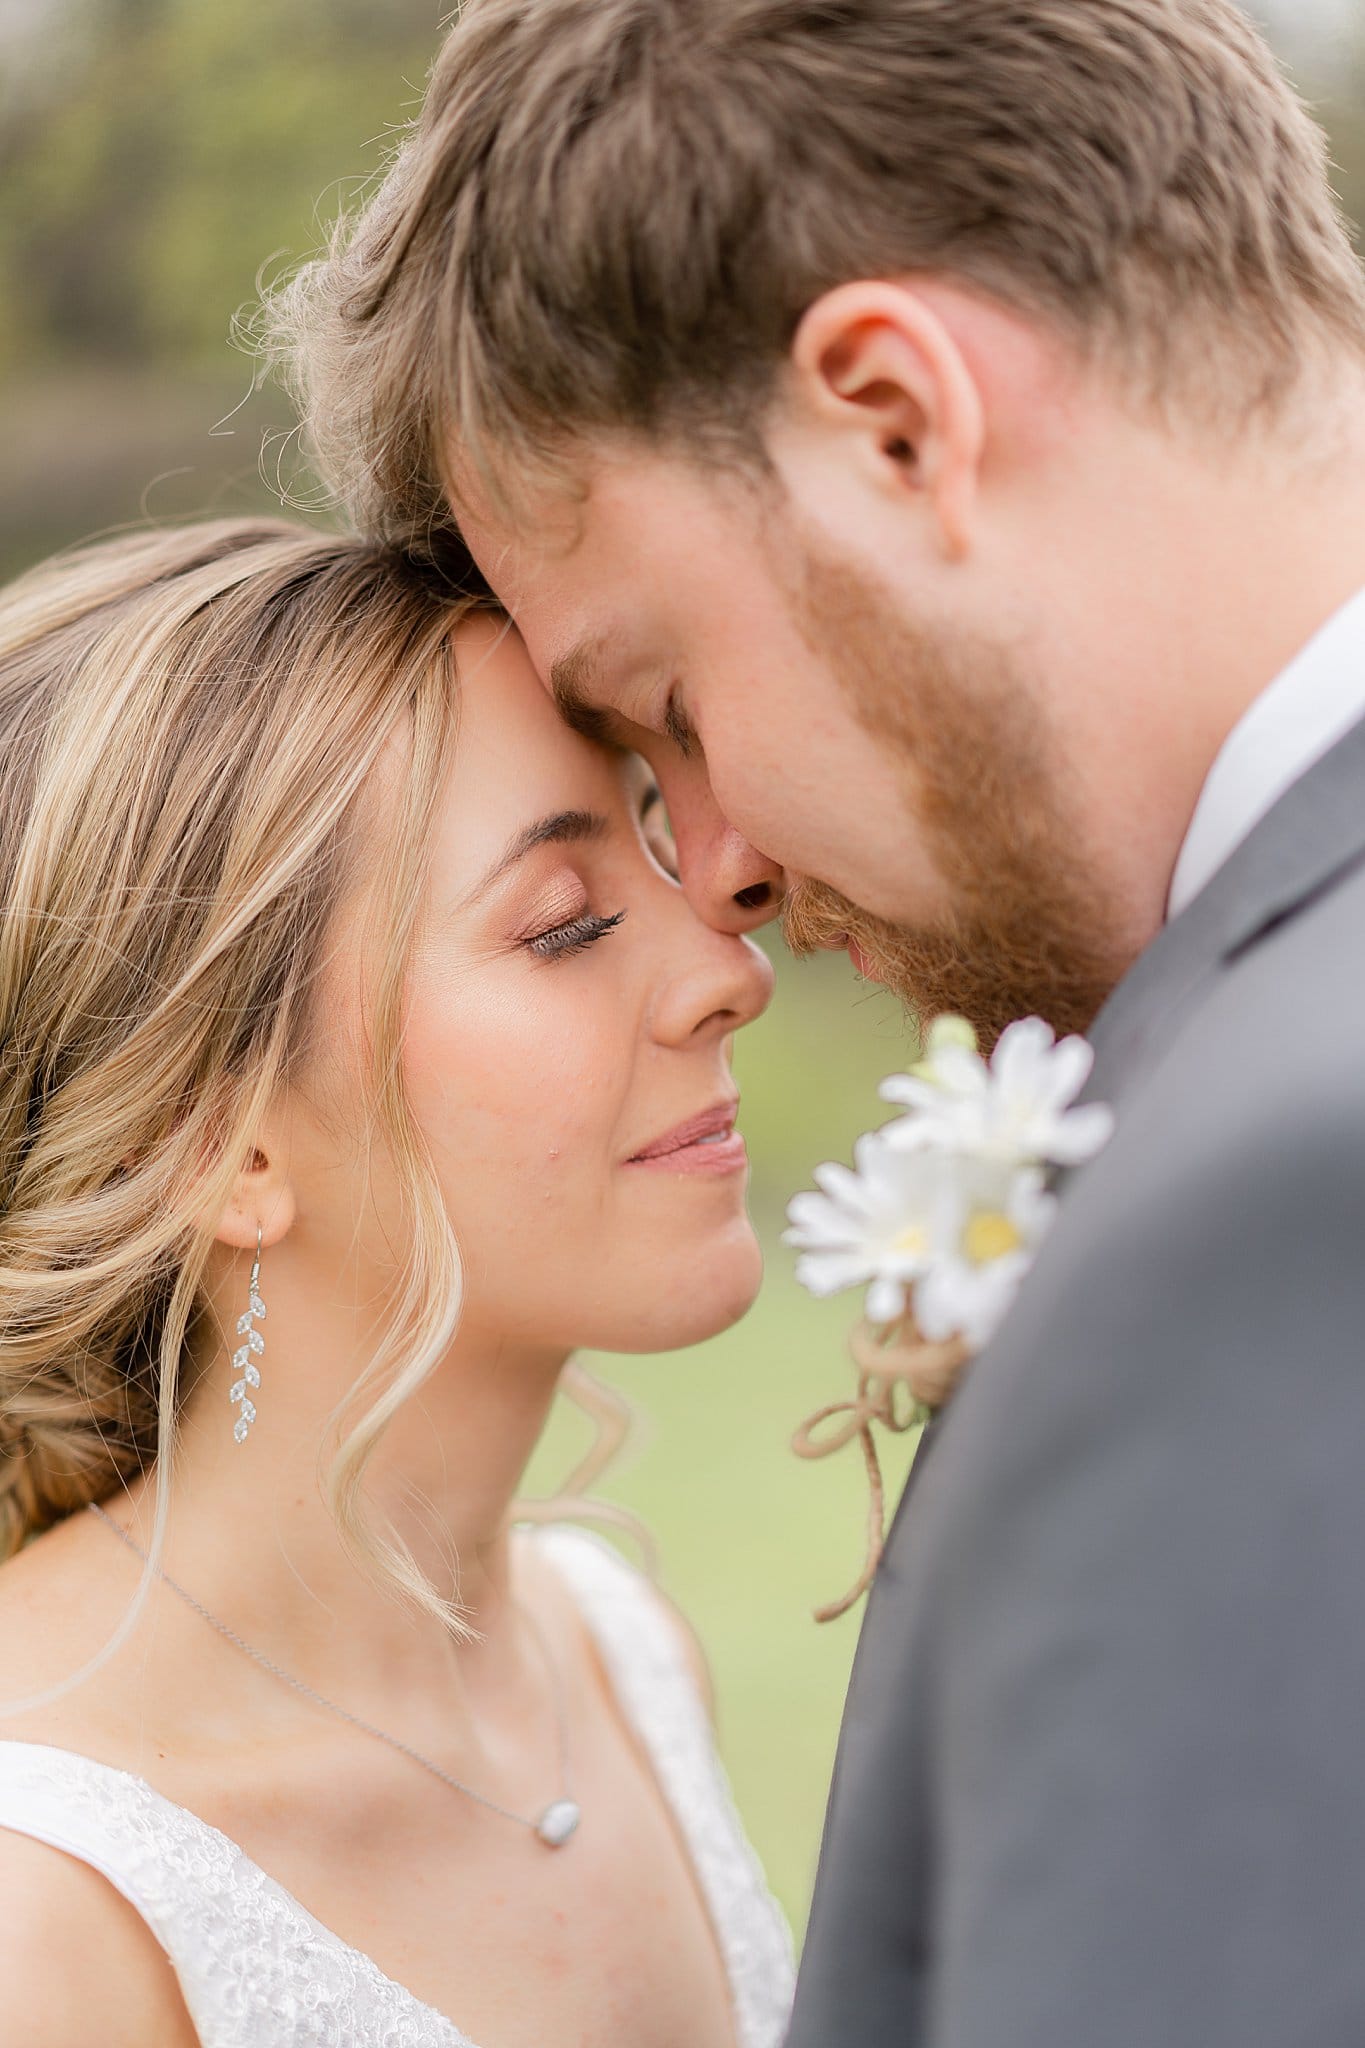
(155, 156)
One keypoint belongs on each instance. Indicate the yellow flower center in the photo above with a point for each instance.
(912, 1241)
(991, 1235)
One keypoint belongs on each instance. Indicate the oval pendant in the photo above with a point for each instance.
(558, 1822)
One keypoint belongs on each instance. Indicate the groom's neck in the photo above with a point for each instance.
(1185, 580)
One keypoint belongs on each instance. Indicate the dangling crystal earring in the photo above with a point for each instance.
(244, 1359)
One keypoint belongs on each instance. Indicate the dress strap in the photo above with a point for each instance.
(254, 1967)
(121, 1828)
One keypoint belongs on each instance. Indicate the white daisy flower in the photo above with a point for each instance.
(968, 1292)
(1018, 1110)
(940, 1219)
(882, 1225)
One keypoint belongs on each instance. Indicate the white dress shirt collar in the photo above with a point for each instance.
(1296, 721)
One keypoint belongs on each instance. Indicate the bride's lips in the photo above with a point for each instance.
(705, 1144)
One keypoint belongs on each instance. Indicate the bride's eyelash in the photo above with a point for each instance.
(574, 937)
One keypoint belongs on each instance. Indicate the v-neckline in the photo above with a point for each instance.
(649, 1740)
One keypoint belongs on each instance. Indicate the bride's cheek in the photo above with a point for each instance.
(515, 1083)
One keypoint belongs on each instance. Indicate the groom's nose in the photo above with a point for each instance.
(728, 882)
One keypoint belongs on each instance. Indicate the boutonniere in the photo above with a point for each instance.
(939, 1219)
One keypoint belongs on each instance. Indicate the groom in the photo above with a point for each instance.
(933, 432)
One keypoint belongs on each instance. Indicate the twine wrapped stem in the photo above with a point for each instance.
(902, 1380)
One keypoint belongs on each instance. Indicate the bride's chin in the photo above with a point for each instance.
(699, 1298)
(717, 1293)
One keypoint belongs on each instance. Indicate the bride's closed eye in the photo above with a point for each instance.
(573, 937)
(575, 934)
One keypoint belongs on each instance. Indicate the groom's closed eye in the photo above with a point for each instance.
(577, 684)
(679, 728)
(572, 680)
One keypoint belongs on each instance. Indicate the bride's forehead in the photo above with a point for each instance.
(513, 748)
(496, 682)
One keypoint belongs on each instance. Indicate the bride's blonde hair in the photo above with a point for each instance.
(189, 721)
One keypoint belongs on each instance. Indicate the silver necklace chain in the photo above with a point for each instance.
(553, 1827)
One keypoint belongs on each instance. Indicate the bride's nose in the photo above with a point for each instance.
(716, 983)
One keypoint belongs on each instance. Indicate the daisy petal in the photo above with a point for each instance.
(1069, 1070)
(885, 1301)
(831, 1272)
(816, 1221)
(959, 1072)
(840, 1185)
(1022, 1049)
(1080, 1134)
(905, 1088)
(940, 1301)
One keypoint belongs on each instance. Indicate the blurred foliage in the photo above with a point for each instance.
(174, 148)
(155, 157)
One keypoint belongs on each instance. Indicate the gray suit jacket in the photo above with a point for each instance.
(1102, 1776)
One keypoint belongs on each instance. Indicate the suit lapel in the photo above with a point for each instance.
(1315, 833)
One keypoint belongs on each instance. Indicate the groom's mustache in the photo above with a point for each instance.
(816, 919)
(909, 962)
(1031, 956)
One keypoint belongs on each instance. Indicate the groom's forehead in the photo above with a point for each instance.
(538, 572)
(544, 601)
(583, 663)
(567, 619)
(590, 603)
(604, 543)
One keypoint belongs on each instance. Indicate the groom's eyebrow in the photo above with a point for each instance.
(561, 828)
(572, 680)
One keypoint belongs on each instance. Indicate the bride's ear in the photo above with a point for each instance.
(877, 362)
(262, 1200)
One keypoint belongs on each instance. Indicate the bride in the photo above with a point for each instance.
(360, 1058)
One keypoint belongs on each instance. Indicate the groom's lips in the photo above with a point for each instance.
(705, 1144)
(842, 943)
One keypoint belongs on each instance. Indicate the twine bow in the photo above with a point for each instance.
(902, 1381)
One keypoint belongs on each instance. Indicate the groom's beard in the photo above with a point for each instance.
(1029, 932)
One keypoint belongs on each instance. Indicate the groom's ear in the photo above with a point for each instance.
(876, 361)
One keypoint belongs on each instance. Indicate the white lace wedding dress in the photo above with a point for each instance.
(257, 1971)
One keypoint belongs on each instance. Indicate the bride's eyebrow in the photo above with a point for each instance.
(561, 828)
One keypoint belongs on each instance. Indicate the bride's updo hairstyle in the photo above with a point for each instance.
(189, 726)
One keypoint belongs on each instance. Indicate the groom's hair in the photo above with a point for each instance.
(612, 215)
